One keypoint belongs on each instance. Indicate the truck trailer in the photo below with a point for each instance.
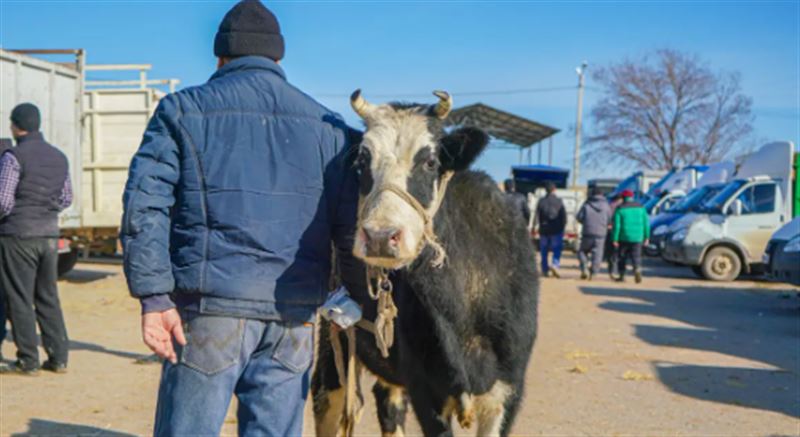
(97, 124)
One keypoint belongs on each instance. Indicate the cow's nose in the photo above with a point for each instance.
(382, 242)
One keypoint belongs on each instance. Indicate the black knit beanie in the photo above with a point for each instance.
(26, 117)
(249, 29)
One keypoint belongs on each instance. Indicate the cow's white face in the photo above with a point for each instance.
(404, 158)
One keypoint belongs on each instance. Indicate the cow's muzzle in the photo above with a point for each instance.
(383, 242)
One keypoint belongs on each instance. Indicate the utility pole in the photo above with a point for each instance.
(576, 160)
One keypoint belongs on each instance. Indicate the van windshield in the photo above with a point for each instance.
(651, 203)
(695, 199)
(714, 205)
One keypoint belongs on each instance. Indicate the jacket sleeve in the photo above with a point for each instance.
(581, 215)
(526, 210)
(617, 226)
(351, 271)
(562, 216)
(646, 220)
(147, 202)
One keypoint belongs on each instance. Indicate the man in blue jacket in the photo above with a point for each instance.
(233, 199)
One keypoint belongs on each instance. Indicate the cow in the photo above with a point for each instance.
(463, 273)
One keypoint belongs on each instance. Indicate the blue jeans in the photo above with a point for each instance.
(265, 364)
(548, 243)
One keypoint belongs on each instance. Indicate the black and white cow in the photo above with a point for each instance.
(465, 329)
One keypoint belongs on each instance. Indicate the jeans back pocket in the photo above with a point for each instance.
(213, 344)
(295, 349)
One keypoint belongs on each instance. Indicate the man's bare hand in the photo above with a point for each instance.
(616, 244)
(158, 329)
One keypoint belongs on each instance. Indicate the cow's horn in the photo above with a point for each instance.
(362, 107)
(442, 108)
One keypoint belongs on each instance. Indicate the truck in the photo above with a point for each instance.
(729, 234)
(531, 180)
(605, 185)
(712, 181)
(673, 188)
(641, 183)
(98, 124)
(56, 90)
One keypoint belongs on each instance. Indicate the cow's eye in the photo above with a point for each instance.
(431, 164)
(363, 158)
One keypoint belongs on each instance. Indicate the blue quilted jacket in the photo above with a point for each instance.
(235, 195)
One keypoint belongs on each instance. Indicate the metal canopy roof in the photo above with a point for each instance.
(500, 124)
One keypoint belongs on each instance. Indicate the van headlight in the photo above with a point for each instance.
(793, 245)
(679, 235)
(660, 229)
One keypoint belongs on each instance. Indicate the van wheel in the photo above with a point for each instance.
(721, 264)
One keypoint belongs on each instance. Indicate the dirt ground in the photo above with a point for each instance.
(672, 356)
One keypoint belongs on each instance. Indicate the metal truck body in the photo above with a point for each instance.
(730, 232)
(55, 88)
(98, 124)
(530, 180)
(641, 183)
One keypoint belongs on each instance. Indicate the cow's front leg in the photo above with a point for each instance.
(392, 404)
(433, 412)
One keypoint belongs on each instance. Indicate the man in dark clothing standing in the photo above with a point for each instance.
(34, 187)
(232, 202)
(519, 199)
(5, 144)
(611, 254)
(631, 231)
(595, 216)
(551, 218)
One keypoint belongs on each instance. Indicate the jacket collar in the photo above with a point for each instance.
(31, 136)
(249, 63)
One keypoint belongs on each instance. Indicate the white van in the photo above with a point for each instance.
(730, 233)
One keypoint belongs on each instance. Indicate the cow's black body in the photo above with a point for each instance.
(462, 327)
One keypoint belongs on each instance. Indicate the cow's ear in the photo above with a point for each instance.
(461, 147)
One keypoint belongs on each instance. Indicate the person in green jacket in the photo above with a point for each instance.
(631, 232)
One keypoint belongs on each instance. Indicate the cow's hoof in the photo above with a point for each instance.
(466, 411)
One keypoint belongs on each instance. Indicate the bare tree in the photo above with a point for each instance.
(667, 110)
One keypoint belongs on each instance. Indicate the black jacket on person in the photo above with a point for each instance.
(37, 204)
(521, 204)
(551, 215)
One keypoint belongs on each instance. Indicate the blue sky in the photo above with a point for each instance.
(415, 47)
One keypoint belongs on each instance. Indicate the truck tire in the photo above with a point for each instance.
(66, 261)
(721, 264)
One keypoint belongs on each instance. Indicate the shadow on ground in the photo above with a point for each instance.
(41, 427)
(757, 326)
(84, 276)
(91, 347)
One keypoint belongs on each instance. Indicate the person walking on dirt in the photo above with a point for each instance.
(595, 216)
(631, 232)
(551, 218)
(232, 201)
(611, 255)
(34, 187)
(519, 199)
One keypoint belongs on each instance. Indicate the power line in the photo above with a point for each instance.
(457, 93)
